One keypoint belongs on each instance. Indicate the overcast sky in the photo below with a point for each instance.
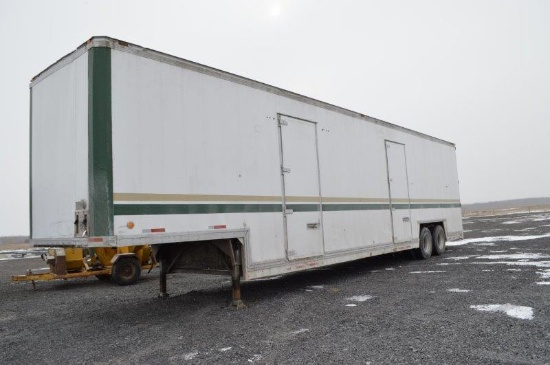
(476, 73)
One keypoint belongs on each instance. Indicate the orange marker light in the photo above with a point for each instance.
(130, 225)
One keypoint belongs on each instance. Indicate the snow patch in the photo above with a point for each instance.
(316, 287)
(543, 282)
(255, 358)
(390, 268)
(456, 258)
(515, 311)
(351, 305)
(190, 356)
(457, 290)
(516, 263)
(496, 239)
(425, 272)
(525, 229)
(32, 253)
(360, 298)
(224, 349)
(301, 330)
(515, 256)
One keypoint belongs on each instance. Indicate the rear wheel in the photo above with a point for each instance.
(439, 240)
(424, 251)
(126, 271)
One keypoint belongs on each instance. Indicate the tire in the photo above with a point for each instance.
(126, 271)
(424, 251)
(440, 240)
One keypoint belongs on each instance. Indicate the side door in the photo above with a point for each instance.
(398, 182)
(301, 188)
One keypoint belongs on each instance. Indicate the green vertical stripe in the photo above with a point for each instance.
(100, 161)
(30, 164)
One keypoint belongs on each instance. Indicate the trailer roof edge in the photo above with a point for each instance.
(104, 41)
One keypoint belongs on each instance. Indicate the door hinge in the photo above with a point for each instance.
(285, 170)
(282, 122)
(289, 211)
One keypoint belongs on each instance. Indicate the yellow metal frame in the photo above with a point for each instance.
(99, 263)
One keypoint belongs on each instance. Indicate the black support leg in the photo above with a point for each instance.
(163, 273)
(236, 303)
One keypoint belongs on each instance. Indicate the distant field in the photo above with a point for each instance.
(502, 211)
(14, 246)
(507, 206)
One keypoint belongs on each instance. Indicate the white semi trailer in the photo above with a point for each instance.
(130, 146)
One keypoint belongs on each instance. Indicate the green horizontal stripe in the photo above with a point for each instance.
(152, 209)
(426, 206)
(340, 207)
(158, 209)
(304, 207)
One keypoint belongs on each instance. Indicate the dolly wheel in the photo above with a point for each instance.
(126, 271)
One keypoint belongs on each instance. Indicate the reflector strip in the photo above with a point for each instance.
(219, 226)
(154, 230)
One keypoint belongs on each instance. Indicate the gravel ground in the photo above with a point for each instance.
(389, 309)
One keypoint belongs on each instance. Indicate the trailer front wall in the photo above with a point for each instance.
(192, 151)
(59, 149)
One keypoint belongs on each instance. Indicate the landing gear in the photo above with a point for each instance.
(237, 303)
(163, 273)
(216, 256)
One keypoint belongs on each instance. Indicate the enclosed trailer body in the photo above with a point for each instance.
(160, 150)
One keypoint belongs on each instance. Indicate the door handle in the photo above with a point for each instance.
(312, 225)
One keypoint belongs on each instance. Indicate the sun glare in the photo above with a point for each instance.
(275, 11)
